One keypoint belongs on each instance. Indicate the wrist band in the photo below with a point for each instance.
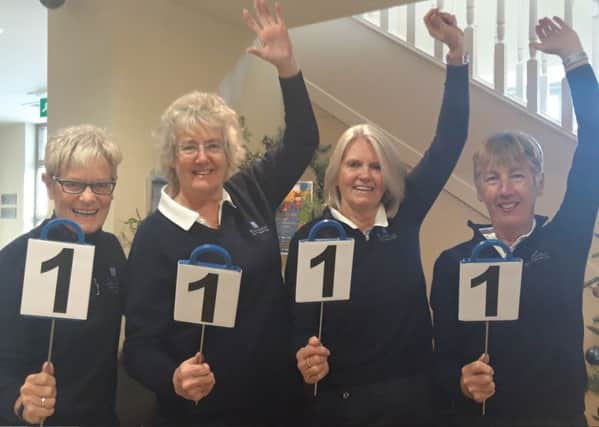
(574, 58)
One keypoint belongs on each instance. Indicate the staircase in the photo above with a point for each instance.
(383, 67)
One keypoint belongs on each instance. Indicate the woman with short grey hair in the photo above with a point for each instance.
(78, 387)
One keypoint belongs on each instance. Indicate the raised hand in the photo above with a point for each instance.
(556, 37)
(271, 31)
(38, 395)
(193, 379)
(443, 27)
(476, 381)
(312, 361)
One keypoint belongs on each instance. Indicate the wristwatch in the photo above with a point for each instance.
(465, 59)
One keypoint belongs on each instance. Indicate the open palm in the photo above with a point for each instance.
(271, 31)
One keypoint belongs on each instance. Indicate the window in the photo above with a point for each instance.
(40, 206)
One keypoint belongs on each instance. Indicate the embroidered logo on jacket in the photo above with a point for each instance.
(256, 230)
(112, 284)
(537, 256)
(383, 235)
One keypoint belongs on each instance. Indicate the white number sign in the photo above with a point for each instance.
(57, 280)
(324, 269)
(207, 294)
(490, 288)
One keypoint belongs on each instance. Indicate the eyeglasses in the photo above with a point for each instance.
(101, 188)
(191, 149)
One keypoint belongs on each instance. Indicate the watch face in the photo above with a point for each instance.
(465, 59)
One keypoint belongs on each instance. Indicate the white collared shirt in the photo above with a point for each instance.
(183, 216)
(489, 234)
(380, 220)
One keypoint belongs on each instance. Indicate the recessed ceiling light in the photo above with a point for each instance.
(1, 31)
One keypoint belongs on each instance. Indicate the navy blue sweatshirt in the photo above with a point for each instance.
(84, 352)
(537, 359)
(252, 363)
(384, 331)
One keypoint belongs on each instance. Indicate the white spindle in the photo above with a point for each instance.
(568, 11)
(411, 24)
(439, 44)
(567, 113)
(385, 20)
(543, 85)
(532, 66)
(595, 38)
(500, 61)
(520, 60)
(469, 35)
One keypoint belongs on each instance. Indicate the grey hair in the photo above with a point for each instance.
(389, 156)
(508, 148)
(75, 146)
(185, 114)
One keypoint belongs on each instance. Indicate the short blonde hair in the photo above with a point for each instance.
(392, 169)
(187, 113)
(75, 146)
(508, 148)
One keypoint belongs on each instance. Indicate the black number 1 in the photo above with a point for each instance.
(64, 261)
(328, 257)
(209, 282)
(491, 278)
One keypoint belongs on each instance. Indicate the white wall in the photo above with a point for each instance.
(16, 163)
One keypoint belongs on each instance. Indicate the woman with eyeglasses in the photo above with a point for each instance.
(78, 387)
(208, 200)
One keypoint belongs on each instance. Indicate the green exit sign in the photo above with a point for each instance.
(44, 107)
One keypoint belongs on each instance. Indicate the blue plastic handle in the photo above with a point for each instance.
(208, 247)
(487, 243)
(327, 223)
(62, 221)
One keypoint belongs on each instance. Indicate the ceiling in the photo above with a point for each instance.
(23, 42)
(296, 12)
(23, 66)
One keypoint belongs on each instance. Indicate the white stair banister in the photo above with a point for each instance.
(438, 44)
(411, 24)
(543, 85)
(595, 38)
(469, 35)
(385, 20)
(500, 56)
(567, 120)
(520, 64)
(532, 66)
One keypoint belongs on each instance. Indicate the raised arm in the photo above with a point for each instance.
(275, 44)
(281, 168)
(429, 176)
(582, 195)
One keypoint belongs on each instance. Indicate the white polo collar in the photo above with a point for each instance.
(183, 216)
(380, 220)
